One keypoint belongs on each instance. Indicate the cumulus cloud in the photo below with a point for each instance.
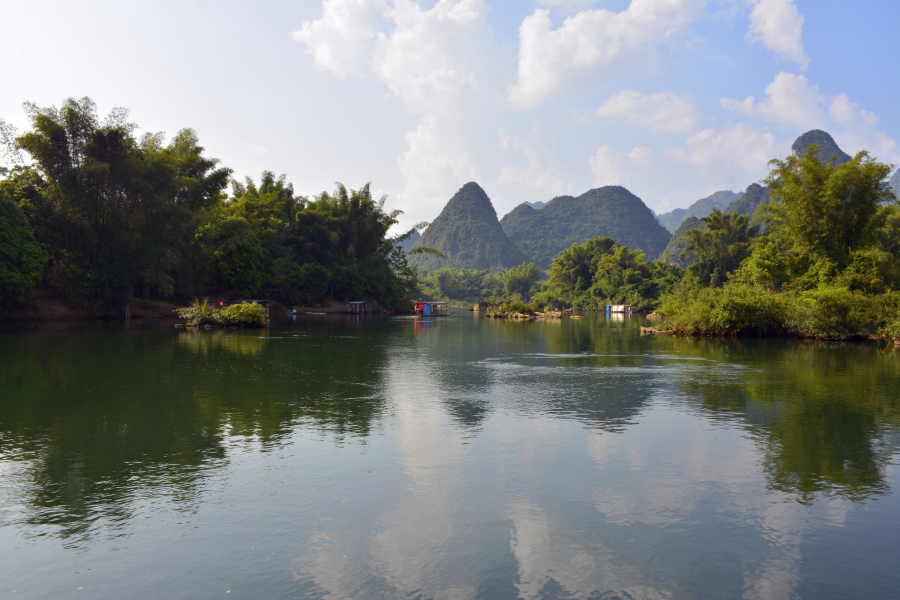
(719, 154)
(849, 113)
(340, 40)
(663, 111)
(437, 160)
(543, 177)
(434, 60)
(590, 40)
(790, 100)
(619, 168)
(778, 25)
(567, 3)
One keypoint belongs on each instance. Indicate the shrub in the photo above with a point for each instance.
(198, 313)
(834, 313)
(245, 314)
(517, 307)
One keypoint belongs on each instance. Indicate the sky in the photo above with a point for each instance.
(673, 99)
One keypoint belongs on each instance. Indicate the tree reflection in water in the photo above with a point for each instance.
(101, 420)
(824, 416)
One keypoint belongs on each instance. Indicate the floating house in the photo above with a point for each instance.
(358, 307)
(431, 309)
(619, 308)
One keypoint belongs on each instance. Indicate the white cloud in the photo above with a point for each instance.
(543, 178)
(848, 113)
(588, 40)
(567, 3)
(435, 61)
(733, 149)
(778, 25)
(790, 101)
(663, 111)
(437, 161)
(619, 168)
(341, 39)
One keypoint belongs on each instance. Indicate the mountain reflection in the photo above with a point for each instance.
(559, 368)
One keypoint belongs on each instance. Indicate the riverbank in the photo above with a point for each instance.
(50, 304)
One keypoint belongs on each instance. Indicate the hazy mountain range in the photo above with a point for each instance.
(471, 236)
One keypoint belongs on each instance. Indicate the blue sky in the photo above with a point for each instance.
(673, 99)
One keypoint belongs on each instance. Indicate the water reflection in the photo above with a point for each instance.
(471, 459)
(822, 415)
(104, 420)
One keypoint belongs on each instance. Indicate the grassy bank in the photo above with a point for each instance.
(832, 313)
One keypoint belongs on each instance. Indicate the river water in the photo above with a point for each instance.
(455, 458)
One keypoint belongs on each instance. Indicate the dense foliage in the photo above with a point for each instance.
(600, 272)
(242, 314)
(469, 285)
(21, 258)
(674, 252)
(827, 265)
(719, 246)
(120, 215)
(609, 211)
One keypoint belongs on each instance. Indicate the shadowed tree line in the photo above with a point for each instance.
(104, 214)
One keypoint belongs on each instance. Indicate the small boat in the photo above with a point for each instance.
(425, 308)
(619, 308)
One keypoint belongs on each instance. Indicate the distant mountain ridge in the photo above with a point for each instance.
(679, 241)
(751, 199)
(721, 199)
(468, 233)
(611, 211)
(408, 243)
(536, 205)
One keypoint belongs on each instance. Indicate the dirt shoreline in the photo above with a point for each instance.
(51, 305)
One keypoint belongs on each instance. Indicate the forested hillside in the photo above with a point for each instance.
(755, 196)
(610, 211)
(468, 233)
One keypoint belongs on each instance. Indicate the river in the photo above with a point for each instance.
(456, 458)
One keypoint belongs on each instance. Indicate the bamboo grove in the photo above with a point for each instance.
(104, 214)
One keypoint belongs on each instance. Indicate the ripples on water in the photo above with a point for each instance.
(346, 457)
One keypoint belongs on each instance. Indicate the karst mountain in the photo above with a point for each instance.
(468, 233)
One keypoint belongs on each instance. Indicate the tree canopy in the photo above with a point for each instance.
(121, 215)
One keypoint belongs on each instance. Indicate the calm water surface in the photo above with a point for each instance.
(348, 457)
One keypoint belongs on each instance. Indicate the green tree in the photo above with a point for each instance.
(823, 209)
(600, 272)
(21, 258)
(719, 248)
(124, 204)
(518, 281)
